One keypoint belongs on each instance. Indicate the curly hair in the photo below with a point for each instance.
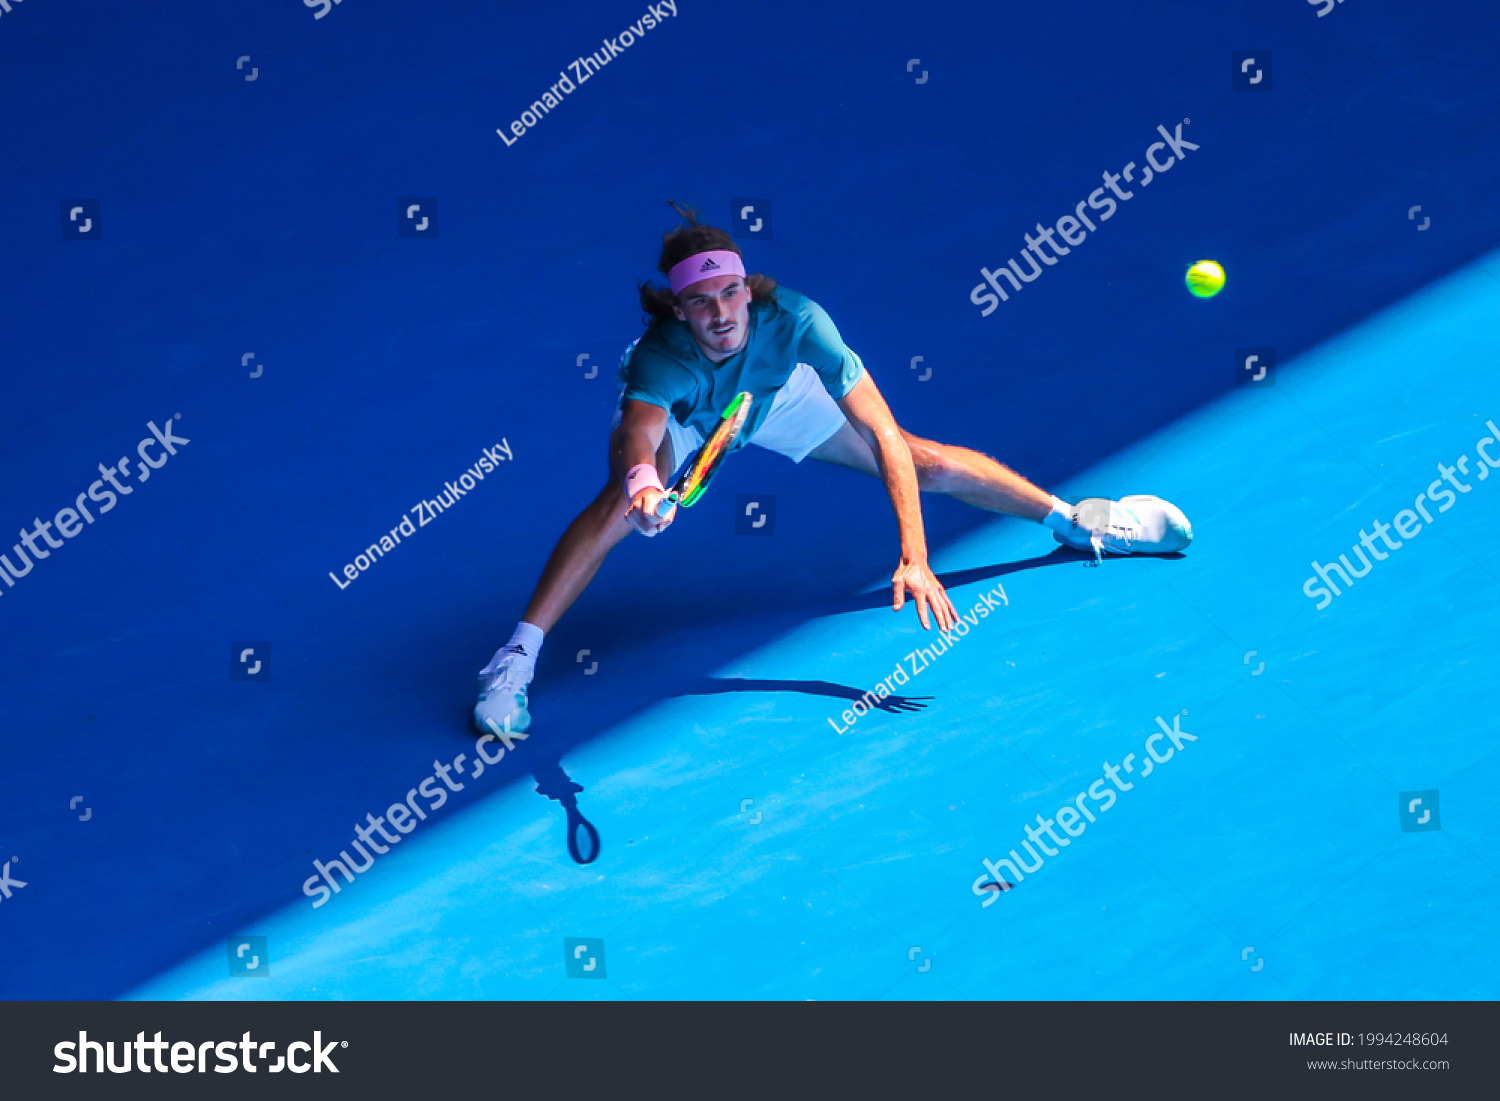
(677, 246)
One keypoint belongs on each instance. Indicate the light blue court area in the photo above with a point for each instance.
(752, 851)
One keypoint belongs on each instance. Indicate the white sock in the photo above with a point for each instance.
(526, 643)
(1061, 516)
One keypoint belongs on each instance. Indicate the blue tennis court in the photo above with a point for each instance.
(202, 707)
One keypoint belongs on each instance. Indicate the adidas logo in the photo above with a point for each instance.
(709, 265)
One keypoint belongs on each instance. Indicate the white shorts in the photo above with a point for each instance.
(803, 415)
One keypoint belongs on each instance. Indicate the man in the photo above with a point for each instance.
(716, 331)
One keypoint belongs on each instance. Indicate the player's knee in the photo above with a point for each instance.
(934, 467)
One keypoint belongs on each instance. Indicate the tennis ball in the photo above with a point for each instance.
(1205, 278)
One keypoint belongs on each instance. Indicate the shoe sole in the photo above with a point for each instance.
(480, 729)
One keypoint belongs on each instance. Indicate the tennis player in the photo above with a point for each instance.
(716, 331)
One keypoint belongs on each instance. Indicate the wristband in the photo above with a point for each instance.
(641, 475)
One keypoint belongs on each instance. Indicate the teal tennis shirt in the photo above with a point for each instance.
(667, 368)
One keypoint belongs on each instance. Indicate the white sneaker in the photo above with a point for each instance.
(1131, 525)
(502, 693)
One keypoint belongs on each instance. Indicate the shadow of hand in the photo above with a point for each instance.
(901, 705)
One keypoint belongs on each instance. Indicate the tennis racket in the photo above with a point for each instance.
(703, 466)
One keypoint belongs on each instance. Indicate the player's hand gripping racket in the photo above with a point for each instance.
(694, 480)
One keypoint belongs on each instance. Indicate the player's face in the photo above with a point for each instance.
(718, 312)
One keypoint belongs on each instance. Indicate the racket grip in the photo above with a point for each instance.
(664, 506)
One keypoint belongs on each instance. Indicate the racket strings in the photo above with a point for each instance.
(715, 448)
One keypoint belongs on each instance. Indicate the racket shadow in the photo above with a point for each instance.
(557, 785)
(575, 717)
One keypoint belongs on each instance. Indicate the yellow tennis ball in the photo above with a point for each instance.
(1205, 278)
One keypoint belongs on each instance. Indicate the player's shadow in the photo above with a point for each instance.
(707, 686)
(1059, 556)
(554, 783)
(578, 710)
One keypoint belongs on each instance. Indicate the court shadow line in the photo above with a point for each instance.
(567, 733)
(569, 727)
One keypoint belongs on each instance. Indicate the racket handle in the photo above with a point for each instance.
(664, 506)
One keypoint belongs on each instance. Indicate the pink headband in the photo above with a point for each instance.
(704, 265)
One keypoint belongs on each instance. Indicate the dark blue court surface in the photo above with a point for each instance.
(284, 269)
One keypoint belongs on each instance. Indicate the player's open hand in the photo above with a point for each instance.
(642, 512)
(916, 578)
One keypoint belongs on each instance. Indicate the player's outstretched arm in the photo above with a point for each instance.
(871, 417)
(637, 440)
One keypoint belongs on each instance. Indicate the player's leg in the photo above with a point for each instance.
(571, 566)
(1140, 524)
(970, 476)
(578, 555)
(804, 422)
